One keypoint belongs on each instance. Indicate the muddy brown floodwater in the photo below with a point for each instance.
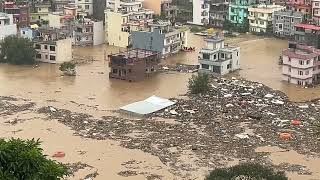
(92, 92)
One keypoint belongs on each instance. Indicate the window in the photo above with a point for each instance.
(316, 4)
(129, 70)
(45, 46)
(289, 59)
(222, 55)
(289, 69)
(205, 66)
(38, 46)
(261, 22)
(206, 56)
(319, 67)
(237, 53)
(23, 32)
(114, 71)
(307, 73)
(300, 73)
(86, 6)
(46, 56)
(300, 83)
(38, 56)
(215, 56)
(229, 66)
(52, 48)
(301, 62)
(52, 58)
(308, 62)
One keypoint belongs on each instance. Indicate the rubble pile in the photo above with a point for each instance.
(185, 68)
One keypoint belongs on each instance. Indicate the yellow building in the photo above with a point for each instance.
(40, 13)
(115, 34)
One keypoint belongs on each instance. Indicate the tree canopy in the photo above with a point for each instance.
(199, 84)
(17, 50)
(246, 171)
(23, 160)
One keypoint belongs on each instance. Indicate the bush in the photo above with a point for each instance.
(17, 50)
(246, 171)
(199, 84)
(67, 66)
(23, 159)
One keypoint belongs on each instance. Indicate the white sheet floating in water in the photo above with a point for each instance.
(147, 106)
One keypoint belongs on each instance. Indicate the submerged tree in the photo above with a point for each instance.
(199, 84)
(17, 50)
(246, 171)
(23, 160)
(68, 68)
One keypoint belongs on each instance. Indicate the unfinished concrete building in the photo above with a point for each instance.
(133, 65)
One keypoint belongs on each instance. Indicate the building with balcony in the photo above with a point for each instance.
(7, 27)
(218, 58)
(85, 5)
(123, 17)
(89, 32)
(284, 21)
(308, 34)
(238, 11)
(133, 65)
(303, 6)
(261, 17)
(162, 7)
(161, 37)
(52, 46)
(20, 12)
(301, 64)
(316, 11)
(218, 12)
(200, 12)
(58, 5)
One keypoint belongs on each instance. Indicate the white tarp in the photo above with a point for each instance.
(147, 106)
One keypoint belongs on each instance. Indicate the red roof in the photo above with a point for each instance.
(308, 26)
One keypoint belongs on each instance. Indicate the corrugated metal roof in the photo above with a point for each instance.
(147, 106)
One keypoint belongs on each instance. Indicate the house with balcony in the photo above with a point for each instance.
(238, 11)
(161, 37)
(20, 12)
(218, 58)
(218, 12)
(303, 6)
(40, 13)
(58, 5)
(261, 17)
(88, 32)
(123, 17)
(52, 45)
(284, 22)
(7, 27)
(301, 64)
(308, 34)
(200, 12)
(85, 5)
(133, 65)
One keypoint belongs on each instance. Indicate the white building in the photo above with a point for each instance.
(261, 17)
(200, 11)
(89, 32)
(7, 27)
(218, 58)
(86, 5)
(301, 65)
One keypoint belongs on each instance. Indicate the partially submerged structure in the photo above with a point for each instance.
(147, 106)
(133, 65)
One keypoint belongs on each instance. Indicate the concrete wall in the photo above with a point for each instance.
(54, 20)
(114, 35)
(154, 5)
(83, 4)
(98, 33)
(64, 50)
(153, 41)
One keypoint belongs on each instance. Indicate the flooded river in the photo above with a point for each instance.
(92, 92)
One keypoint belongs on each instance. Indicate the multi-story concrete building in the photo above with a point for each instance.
(161, 37)
(218, 58)
(162, 7)
(261, 17)
(7, 27)
(58, 5)
(301, 64)
(53, 46)
(40, 13)
(121, 18)
(303, 6)
(98, 9)
(200, 12)
(89, 32)
(307, 34)
(316, 11)
(284, 21)
(20, 12)
(133, 65)
(86, 5)
(238, 11)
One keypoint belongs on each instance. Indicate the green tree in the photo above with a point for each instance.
(23, 160)
(227, 25)
(68, 68)
(17, 50)
(250, 171)
(199, 84)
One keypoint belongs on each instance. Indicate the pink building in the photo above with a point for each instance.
(301, 64)
(303, 6)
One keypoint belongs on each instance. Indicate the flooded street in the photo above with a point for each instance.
(93, 93)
